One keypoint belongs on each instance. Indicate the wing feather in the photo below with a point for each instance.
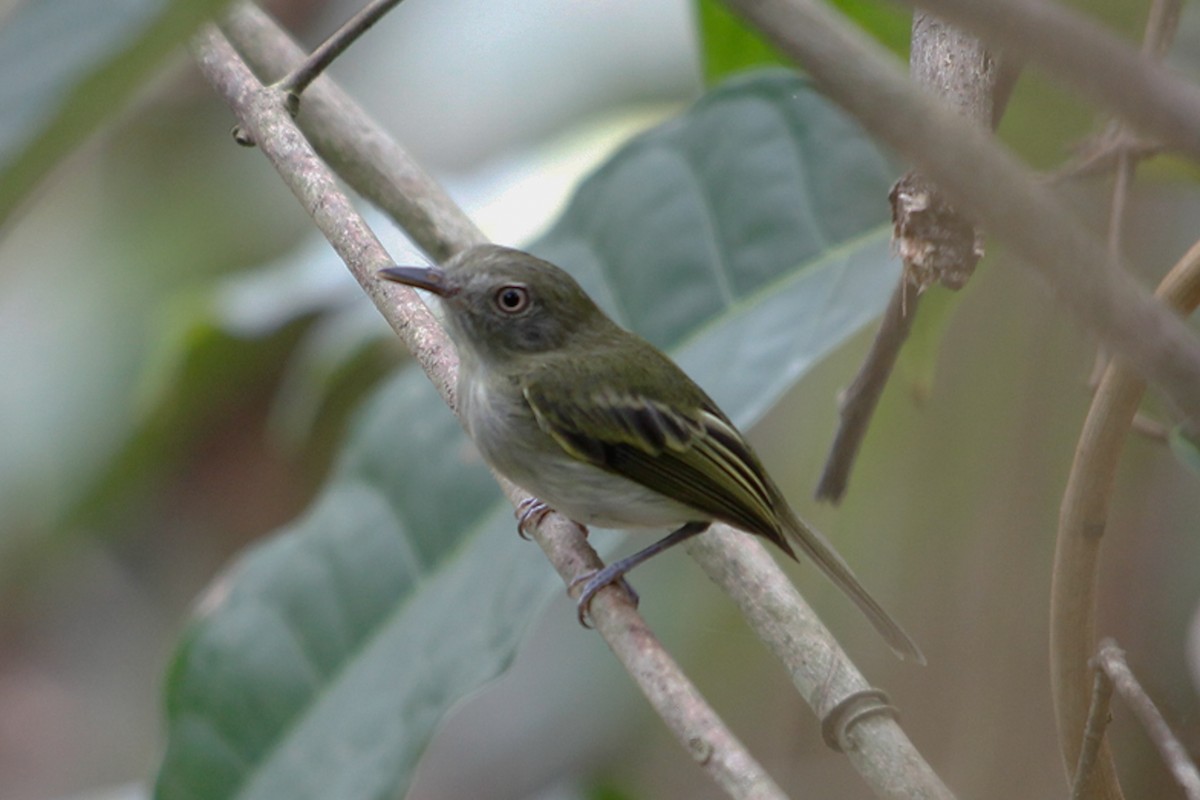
(696, 457)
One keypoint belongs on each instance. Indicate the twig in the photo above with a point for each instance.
(1151, 429)
(1082, 53)
(298, 79)
(935, 241)
(259, 110)
(862, 396)
(1117, 144)
(1099, 154)
(434, 222)
(355, 145)
(1083, 517)
(1111, 661)
(1093, 735)
(1161, 25)
(992, 186)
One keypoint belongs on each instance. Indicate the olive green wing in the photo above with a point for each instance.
(682, 447)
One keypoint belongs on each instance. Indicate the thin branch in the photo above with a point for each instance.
(858, 404)
(355, 145)
(935, 241)
(1098, 155)
(1151, 429)
(319, 60)
(1161, 25)
(992, 186)
(871, 737)
(1083, 517)
(1082, 53)
(1111, 660)
(260, 111)
(1093, 736)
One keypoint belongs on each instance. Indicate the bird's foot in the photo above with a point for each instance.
(530, 511)
(594, 582)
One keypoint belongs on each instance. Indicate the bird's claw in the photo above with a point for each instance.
(593, 582)
(530, 511)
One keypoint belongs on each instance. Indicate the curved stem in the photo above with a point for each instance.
(1083, 516)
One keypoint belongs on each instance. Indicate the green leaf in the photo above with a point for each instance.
(728, 45)
(297, 322)
(66, 66)
(1185, 449)
(330, 651)
(748, 237)
(888, 22)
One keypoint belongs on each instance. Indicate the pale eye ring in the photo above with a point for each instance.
(512, 298)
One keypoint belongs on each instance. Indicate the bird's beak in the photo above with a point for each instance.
(431, 279)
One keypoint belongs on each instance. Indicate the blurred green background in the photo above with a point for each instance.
(179, 356)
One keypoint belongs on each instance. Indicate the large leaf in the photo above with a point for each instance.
(748, 237)
(67, 65)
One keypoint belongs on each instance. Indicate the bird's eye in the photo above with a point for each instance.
(512, 299)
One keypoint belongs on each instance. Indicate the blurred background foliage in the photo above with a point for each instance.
(180, 356)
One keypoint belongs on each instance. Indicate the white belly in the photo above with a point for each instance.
(514, 445)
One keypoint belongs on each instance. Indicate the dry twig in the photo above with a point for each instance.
(1111, 662)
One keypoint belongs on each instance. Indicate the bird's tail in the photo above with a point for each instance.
(818, 548)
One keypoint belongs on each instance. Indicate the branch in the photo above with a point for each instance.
(1081, 52)
(437, 225)
(936, 242)
(856, 719)
(1161, 26)
(1093, 737)
(1111, 663)
(993, 187)
(1083, 517)
(319, 59)
(858, 404)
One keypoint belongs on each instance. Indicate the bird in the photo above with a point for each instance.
(598, 424)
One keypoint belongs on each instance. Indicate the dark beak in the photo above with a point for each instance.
(431, 279)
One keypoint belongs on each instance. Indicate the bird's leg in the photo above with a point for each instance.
(614, 572)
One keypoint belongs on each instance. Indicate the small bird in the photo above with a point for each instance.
(598, 424)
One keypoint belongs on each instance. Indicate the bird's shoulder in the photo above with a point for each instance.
(658, 429)
(620, 392)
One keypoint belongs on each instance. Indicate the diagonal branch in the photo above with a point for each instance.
(1110, 662)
